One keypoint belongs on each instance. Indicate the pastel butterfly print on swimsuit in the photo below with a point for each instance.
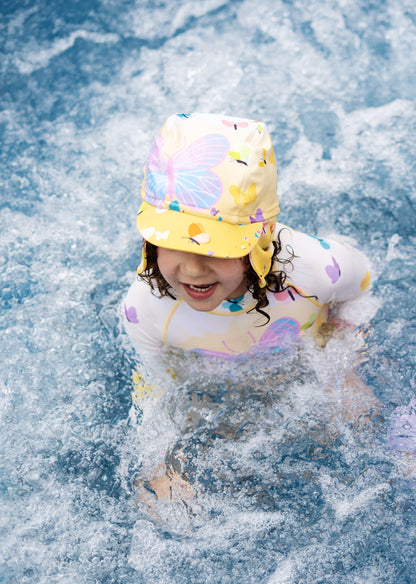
(310, 322)
(323, 243)
(131, 314)
(234, 305)
(333, 271)
(365, 282)
(280, 335)
(186, 177)
(287, 295)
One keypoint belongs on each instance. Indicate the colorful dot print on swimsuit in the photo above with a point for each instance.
(323, 272)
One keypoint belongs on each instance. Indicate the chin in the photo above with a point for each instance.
(202, 308)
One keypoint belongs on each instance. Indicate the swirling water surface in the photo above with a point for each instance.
(288, 480)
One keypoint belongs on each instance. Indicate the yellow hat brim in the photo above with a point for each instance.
(202, 235)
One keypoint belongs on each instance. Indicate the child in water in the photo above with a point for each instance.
(219, 275)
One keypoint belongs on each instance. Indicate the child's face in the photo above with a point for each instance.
(203, 282)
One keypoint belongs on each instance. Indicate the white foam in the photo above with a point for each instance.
(360, 502)
(36, 57)
(68, 250)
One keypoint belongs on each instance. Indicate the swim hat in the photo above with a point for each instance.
(210, 188)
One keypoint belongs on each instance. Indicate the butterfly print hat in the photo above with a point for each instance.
(210, 188)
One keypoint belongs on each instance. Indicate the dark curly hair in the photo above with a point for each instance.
(275, 280)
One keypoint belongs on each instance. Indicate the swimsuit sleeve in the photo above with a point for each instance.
(144, 317)
(330, 270)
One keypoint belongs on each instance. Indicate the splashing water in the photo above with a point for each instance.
(287, 477)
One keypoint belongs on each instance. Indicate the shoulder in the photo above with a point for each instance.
(139, 294)
(144, 316)
(333, 271)
(141, 301)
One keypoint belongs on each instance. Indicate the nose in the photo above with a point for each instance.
(194, 265)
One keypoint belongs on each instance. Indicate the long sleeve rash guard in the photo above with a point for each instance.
(320, 274)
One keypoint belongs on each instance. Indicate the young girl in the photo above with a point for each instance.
(218, 274)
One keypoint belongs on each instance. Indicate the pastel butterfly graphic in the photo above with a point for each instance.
(131, 314)
(279, 336)
(272, 158)
(186, 177)
(243, 157)
(323, 243)
(162, 235)
(310, 322)
(235, 125)
(197, 234)
(142, 207)
(148, 232)
(258, 217)
(286, 296)
(365, 282)
(241, 198)
(233, 305)
(333, 271)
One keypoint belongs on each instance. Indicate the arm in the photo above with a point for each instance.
(143, 317)
(330, 270)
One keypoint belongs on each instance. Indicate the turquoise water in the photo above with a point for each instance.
(289, 484)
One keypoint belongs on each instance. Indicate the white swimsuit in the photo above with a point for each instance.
(322, 273)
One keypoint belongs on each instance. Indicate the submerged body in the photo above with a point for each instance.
(219, 276)
(321, 274)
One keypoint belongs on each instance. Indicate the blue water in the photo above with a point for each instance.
(288, 488)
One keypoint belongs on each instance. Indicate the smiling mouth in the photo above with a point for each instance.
(200, 292)
(202, 288)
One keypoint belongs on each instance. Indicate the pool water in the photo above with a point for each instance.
(288, 478)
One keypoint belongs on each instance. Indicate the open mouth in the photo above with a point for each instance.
(203, 288)
(200, 292)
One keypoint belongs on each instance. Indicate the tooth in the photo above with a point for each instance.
(200, 288)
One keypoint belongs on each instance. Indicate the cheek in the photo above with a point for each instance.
(164, 263)
(236, 272)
